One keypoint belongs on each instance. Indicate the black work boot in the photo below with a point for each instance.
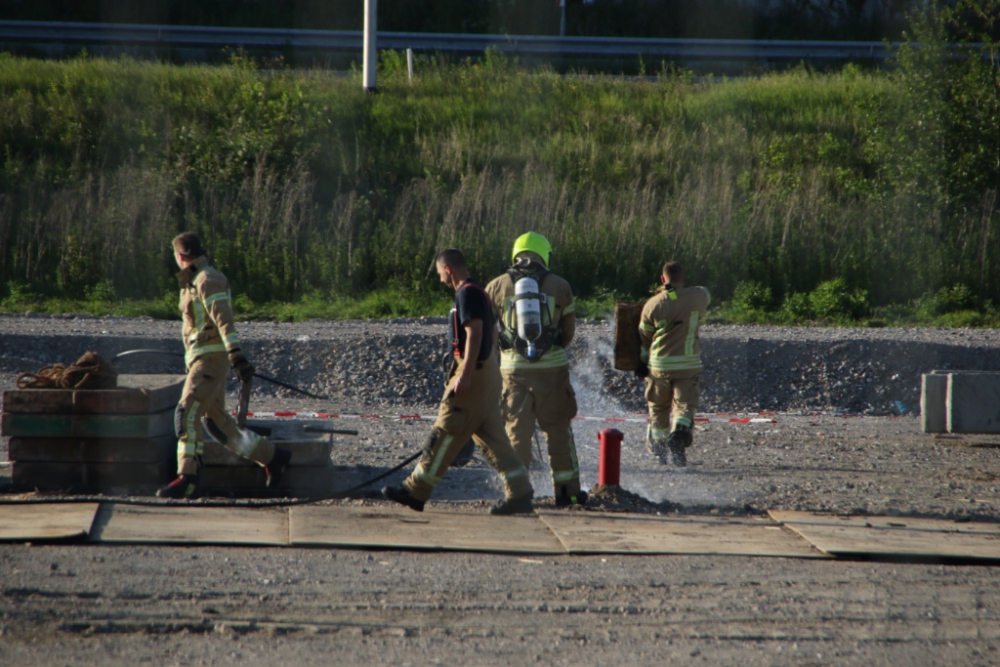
(464, 455)
(520, 505)
(679, 441)
(276, 468)
(185, 486)
(658, 448)
(565, 500)
(401, 495)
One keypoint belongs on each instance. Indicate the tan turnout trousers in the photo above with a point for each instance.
(548, 396)
(474, 414)
(671, 394)
(204, 397)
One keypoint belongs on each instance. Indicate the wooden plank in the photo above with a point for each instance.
(314, 453)
(173, 524)
(28, 521)
(886, 540)
(432, 530)
(886, 522)
(87, 426)
(302, 480)
(94, 450)
(90, 476)
(591, 533)
(136, 394)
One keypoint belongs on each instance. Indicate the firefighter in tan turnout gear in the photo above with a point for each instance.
(470, 406)
(211, 346)
(671, 362)
(535, 309)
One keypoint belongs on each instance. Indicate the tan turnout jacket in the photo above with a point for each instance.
(669, 328)
(207, 311)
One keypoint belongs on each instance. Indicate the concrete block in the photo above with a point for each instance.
(933, 396)
(972, 404)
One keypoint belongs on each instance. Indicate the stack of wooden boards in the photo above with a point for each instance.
(123, 441)
(110, 440)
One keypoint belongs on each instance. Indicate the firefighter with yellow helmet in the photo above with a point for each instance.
(536, 314)
(670, 361)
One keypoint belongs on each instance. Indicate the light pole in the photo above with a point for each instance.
(370, 55)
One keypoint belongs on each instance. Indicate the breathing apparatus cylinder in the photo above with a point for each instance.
(529, 313)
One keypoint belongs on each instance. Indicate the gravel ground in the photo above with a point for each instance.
(189, 606)
(364, 364)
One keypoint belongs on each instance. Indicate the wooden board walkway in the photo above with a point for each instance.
(550, 532)
(191, 525)
(433, 530)
(31, 522)
(599, 533)
(895, 537)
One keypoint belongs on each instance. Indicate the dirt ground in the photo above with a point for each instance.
(111, 605)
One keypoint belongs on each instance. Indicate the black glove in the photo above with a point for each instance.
(507, 338)
(244, 369)
(641, 369)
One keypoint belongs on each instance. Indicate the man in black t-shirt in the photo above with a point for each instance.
(470, 406)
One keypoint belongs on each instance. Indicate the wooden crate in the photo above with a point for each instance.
(86, 477)
(94, 450)
(87, 425)
(136, 394)
(627, 343)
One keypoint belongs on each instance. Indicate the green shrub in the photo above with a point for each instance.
(750, 303)
(952, 299)
(832, 300)
(102, 292)
(796, 308)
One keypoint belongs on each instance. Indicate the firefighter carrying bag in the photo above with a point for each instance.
(89, 372)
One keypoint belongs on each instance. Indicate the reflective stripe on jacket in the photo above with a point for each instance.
(562, 309)
(669, 328)
(206, 310)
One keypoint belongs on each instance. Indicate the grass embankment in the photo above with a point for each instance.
(319, 200)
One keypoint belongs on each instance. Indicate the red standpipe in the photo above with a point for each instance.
(609, 470)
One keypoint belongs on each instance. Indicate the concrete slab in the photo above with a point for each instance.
(132, 524)
(933, 399)
(26, 522)
(593, 533)
(866, 537)
(973, 402)
(432, 530)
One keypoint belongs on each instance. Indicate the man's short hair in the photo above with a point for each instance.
(451, 257)
(189, 245)
(673, 271)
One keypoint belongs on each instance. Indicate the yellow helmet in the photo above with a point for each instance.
(532, 242)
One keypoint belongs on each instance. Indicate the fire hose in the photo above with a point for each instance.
(257, 374)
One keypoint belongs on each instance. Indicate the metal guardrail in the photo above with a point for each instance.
(158, 37)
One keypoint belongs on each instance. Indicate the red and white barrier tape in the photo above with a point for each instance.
(643, 420)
